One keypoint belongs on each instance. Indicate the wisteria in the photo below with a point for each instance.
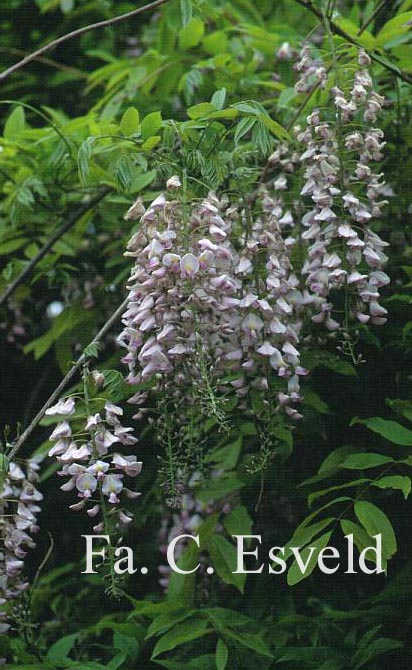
(343, 252)
(19, 510)
(95, 470)
(196, 303)
(222, 294)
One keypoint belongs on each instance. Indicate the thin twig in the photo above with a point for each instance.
(76, 33)
(43, 563)
(48, 61)
(307, 4)
(373, 16)
(69, 223)
(64, 382)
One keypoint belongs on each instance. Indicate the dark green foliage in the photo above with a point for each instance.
(192, 90)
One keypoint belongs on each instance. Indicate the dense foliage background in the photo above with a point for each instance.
(204, 91)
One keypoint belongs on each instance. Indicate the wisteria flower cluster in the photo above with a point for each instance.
(230, 289)
(346, 194)
(196, 302)
(95, 472)
(19, 510)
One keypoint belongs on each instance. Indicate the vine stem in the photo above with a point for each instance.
(48, 61)
(64, 382)
(71, 220)
(77, 33)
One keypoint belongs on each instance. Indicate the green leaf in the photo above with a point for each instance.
(286, 97)
(222, 655)
(200, 110)
(304, 534)
(66, 322)
(376, 522)
(310, 657)
(402, 407)
(140, 181)
(238, 522)
(224, 560)
(366, 39)
(399, 25)
(221, 618)
(331, 503)
(83, 159)
(396, 482)
(215, 43)
(59, 651)
(248, 11)
(215, 489)
(15, 123)
(295, 575)
(228, 113)
(227, 457)
(12, 245)
(164, 622)
(369, 649)
(390, 430)
(218, 99)
(151, 124)
(261, 138)
(152, 610)
(151, 143)
(123, 173)
(364, 461)
(127, 644)
(186, 10)
(181, 634)
(360, 537)
(244, 126)
(191, 35)
(275, 128)
(313, 400)
(339, 487)
(334, 459)
(114, 384)
(117, 661)
(250, 640)
(92, 350)
(129, 123)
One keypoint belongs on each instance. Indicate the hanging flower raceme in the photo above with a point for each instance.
(183, 292)
(199, 307)
(19, 509)
(91, 461)
(270, 243)
(342, 252)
